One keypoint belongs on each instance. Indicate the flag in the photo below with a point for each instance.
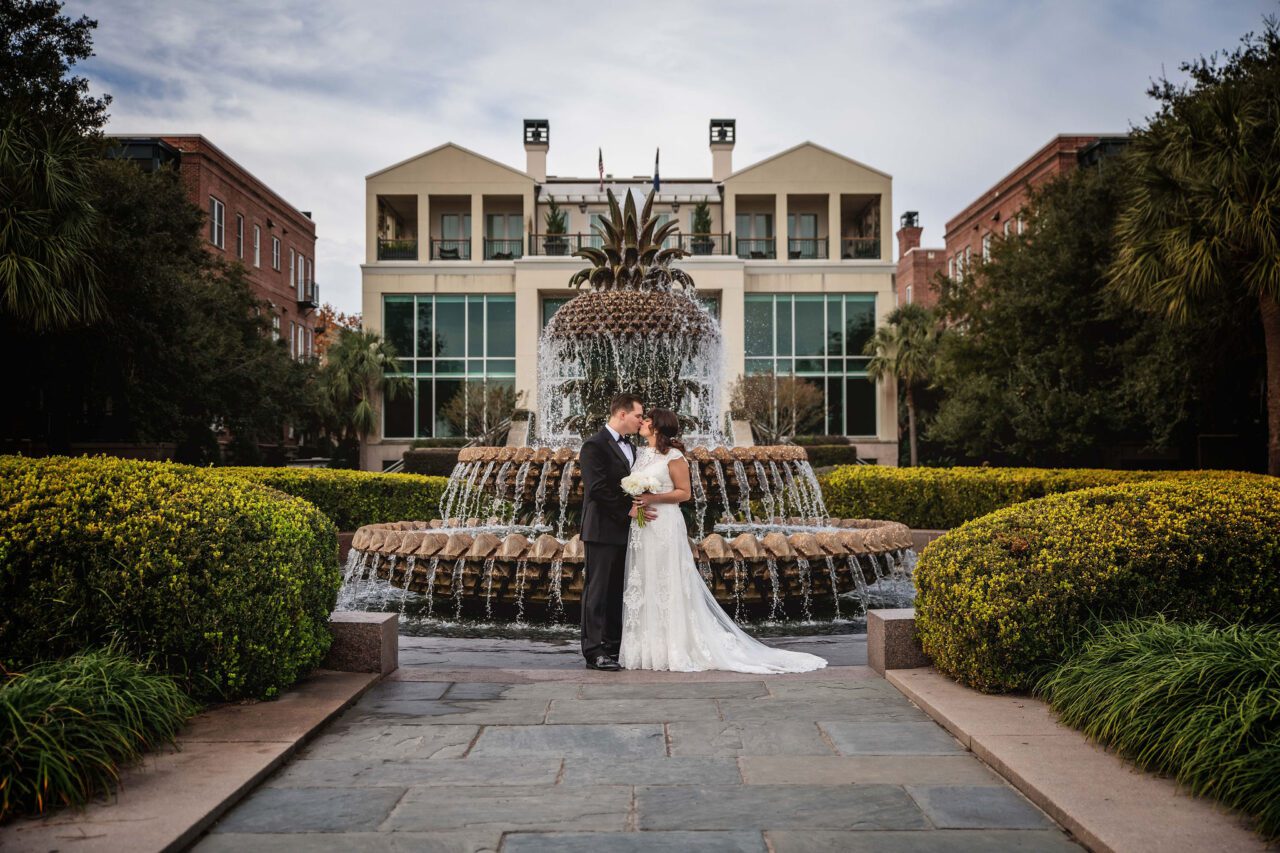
(657, 182)
(601, 150)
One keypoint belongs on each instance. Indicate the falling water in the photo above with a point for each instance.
(699, 498)
(556, 576)
(566, 486)
(835, 584)
(762, 480)
(480, 493)
(488, 587)
(431, 583)
(540, 496)
(500, 486)
(455, 482)
(802, 566)
(517, 493)
(457, 589)
(775, 591)
(520, 570)
(779, 489)
(744, 491)
(724, 492)
(737, 590)
(408, 579)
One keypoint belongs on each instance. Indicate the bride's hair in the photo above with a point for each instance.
(666, 426)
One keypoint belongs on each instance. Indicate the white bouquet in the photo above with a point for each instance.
(638, 484)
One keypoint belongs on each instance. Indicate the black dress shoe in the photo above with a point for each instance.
(603, 662)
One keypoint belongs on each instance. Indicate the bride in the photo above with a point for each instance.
(670, 620)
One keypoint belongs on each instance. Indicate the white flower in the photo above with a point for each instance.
(637, 484)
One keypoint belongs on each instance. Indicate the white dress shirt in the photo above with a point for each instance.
(627, 450)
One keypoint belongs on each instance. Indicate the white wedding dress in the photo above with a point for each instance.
(670, 619)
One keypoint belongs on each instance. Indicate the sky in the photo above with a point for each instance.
(947, 96)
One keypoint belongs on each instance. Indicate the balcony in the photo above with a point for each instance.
(860, 249)
(450, 250)
(756, 248)
(501, 249)
(557, 245)
(309, 296)
(397, 250)
(706, 244)
(807, 248)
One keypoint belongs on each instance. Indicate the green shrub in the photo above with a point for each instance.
(67, 726)
(999, 598)
(431, 461)
(1195, 702)
(224, 582)
(353, 499)
(822, 455)
(811, 440)
(940, 498)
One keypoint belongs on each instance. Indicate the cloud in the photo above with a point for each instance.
(946, 96)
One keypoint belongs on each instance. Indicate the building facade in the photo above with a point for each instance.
(247, 222)
(792, 253)
(917, 265)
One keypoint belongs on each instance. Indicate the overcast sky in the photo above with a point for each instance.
(312, 95)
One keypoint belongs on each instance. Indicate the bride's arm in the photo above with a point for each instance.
(679, 470)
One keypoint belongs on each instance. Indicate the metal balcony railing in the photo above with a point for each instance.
(450, 250)
(756, 248)
(706, 244)
(555, 245)
(806, 248)
(860, 249)
(397, 250)
(309, 295)
(502, 249)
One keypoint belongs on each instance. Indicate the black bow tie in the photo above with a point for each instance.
(622, 439)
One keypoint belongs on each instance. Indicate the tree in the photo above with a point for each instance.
(330, 324)
(482, 411)
(904, 348)
(777, 407)
(359, 367)
(41, 46)
(1043, 364)
(1201, 220)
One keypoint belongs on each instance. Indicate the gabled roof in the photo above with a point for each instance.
(456, 147)
(808, 144)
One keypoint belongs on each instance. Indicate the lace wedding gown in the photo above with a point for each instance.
(670, 619)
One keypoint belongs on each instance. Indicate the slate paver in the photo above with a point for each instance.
(781, 737)
(689, 690)
(603, 807)
(406, 772)
(392, 741)
(651, 771)
(311, 810)
(861, 769)
(859, 709)
(778, 807)
(871, 738)
(634, 842)
(936, 841)
(631, 710)
(492, 712)
(977, 807)
(606, 742)
(465, 841)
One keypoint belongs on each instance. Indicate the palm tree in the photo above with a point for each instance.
(357, 367)
(47, 275)
(904, 348)
(1202, 220)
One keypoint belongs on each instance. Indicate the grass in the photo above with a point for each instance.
(66, 727)
(1197, 702)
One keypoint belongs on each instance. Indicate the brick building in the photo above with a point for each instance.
(246, 221)
(917, 265)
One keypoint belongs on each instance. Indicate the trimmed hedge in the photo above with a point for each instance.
(223, 582)
(1000, 598)
(353, 499)
(431, 461)
(941, 498)
(1196, 702)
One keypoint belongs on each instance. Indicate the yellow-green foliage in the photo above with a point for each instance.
(221, 581)
(352, 499)
(1000, 598)
(941, 498)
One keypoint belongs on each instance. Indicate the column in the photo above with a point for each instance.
(780, 235)
(834, 227)
(477, 227)
(424, 226)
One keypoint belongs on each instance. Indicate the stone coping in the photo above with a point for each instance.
(1101, 799)
(165, 803)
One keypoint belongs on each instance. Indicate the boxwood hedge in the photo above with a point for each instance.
(352, 499)
(934, 498)
(224, 582)
(1000, 598)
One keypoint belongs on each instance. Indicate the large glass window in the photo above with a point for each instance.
(445, 342)
(818, 337)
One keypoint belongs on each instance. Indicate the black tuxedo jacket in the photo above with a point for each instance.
(606, 507)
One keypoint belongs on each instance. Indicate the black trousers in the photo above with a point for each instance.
(602, 599)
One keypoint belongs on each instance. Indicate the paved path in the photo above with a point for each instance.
(511, 745)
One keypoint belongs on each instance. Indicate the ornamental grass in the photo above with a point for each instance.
(67, 727)
(1197, 702)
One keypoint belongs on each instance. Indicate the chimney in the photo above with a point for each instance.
(909, 233)
(537, 139)
(723, 131)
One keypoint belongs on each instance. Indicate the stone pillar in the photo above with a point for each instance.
(477, 226)
(780, 235)
(424, 227)
(834, 229)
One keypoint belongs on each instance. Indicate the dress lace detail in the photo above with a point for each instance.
(670, 619)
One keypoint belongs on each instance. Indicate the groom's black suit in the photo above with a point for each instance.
(606, 523)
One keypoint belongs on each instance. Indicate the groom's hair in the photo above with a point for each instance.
(623, 403)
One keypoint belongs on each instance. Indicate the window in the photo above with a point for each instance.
(802, 235)
(217, 223)
(302, 275)
(908, 294)
(951, 268)
(311, 342)
(275, 253)
(310, 280)
(986, 247)
(291, 263)
(455, 231)
(275, 327)
(1022, 224)
(257, 246)
(755, 235)
(293, 339)
(239, 236)
(445, 342)
(968, 257)
(1008, 224)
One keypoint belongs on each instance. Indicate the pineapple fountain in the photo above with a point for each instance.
(760, 532)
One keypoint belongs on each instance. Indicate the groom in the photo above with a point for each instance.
(607, 511)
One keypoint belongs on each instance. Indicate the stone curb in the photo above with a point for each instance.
(1104, 801)
(166, 803)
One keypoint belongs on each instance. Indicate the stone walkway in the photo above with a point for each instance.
(508, 745)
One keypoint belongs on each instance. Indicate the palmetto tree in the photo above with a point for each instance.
(357, 367)
(904, 348)
(48, 226)
(1202, 221)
